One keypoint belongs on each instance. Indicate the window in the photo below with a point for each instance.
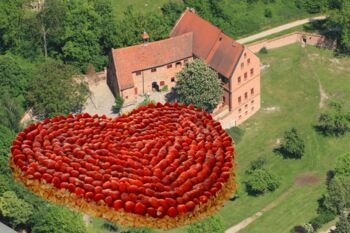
(252, 91)
(239, 79)
(126, 97)
(138, 72)
(178, 63)
(240, 116)
(173, 79)
(242, 65)
(246, 95)
(253, 108)
(169, 66)
(239, 99)
(245, 75)
(161, 83)
(246, 113)
(251, 71)
(240, 110)
(223, 99)
(245, 55)
(248, 61)
(186, 60)
(252, 102)
(135, 90)
(153, 69)
(246, 106)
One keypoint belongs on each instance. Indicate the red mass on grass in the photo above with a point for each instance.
(160, 166)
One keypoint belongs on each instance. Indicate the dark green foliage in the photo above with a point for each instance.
(292, 145)
(268, 13)
(323, 218)
(334, 121)
(212, 224)
(263, 50)
(14, 211)
(259, 163)
(54, 90)
(6, 137)
(146, 101)
(342, 165)
(199, 85)
(338, 193)
(56, 219)
(313, 6)
(134, 23)
(261, 181)
(343, 226)
(13, 78)
(171, 11)
(236, 134)
(11, 112)
(118, 104)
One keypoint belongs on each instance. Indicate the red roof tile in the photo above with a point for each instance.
(146, 56)
(218, 50)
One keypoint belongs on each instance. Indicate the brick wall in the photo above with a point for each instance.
(291, 38)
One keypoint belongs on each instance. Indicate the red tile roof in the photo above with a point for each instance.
(145, 56)
(209, 43)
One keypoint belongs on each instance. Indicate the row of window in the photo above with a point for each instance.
(248, 61)
(252, 108)
(246, 95)
(177, 64)
(246, 75)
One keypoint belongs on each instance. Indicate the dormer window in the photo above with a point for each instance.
(138, 73)
(153, 69)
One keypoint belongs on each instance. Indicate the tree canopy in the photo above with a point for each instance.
(213, 224)
(15, 211)
(55, 91)
(261, 181)
(57, 219)
(292, 145)
(199, 85)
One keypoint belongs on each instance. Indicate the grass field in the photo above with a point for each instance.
(291, 85)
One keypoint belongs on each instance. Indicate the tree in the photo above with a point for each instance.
(13, 210)
(56, 219)
(337, 197)
(199, 85)
(13, 78)
(342, 165)
(119, 101)
(11, 113)
(261, 181)
(343, 226)
(50, 21)
(213, 224)
(333, 121)
(55, 91)
(292, 145)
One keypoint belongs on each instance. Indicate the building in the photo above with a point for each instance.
(139, 69)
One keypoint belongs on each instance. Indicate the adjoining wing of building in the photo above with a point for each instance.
(136, 70)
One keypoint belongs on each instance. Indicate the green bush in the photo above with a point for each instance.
(146, 101)
(165, 88)
(323, 218)
(261, 181)
(263, 50)
(268, 13)
(259, 163)
(118, 104)
(213, 224)
(334, 121)
(292, 146)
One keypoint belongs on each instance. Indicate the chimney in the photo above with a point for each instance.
(145, 37)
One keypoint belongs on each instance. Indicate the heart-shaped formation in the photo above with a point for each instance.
(160, 166)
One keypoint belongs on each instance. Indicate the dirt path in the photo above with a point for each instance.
(330, 230)
(299, 181)
(279, 29)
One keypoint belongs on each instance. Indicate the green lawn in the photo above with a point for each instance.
(290, 85)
